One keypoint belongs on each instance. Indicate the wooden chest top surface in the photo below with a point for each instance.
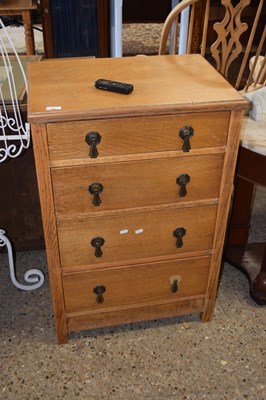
(161, 83)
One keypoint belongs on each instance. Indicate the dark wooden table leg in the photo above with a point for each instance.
(239, 227)
(258, 287)
(249, 258)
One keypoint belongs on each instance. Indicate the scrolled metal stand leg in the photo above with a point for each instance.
(33, 276)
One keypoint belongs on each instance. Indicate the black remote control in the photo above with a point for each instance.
(113, 86)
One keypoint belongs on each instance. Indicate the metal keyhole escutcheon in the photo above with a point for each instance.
(99, 291)
(179, 233)
(92, 139)
(186, 133)
(182, 180)
(97, 243)
(95, 189)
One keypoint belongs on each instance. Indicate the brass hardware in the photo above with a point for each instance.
(98, 242)
(95, 189)
(99, 291)
(179, 233)
(186, 133)
(92, 139)
(182, 180)
(174, 282)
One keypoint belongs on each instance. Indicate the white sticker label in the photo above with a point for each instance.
(138, 231)
(51, 108)
(123, 231)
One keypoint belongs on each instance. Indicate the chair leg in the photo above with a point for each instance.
(249, 258)
(239, 224)
(29, 34)
(258, 286)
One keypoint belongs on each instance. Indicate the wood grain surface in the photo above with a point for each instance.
(161, 84)
(140, 157)
(127, 286)
(135, 184)
(149, 134)
(155, 239)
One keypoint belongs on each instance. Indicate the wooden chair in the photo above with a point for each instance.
(237, 46)
(230, 44)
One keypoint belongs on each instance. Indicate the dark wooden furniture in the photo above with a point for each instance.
(139, 11)
(102, 22)
(249, 258)
(20, 214)
(23, 8)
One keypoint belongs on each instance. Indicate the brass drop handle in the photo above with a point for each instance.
(186, 133)
(99, 291)
(95, 189)
(182, 180)
(174, 282)
(179, 233)
(174, 287)
(98, 242)
(92, 139)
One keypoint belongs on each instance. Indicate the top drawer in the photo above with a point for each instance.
(135, 135)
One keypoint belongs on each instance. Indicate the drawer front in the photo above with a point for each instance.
(136, 135)
(133, 285)
(86, 189)
(136, 235)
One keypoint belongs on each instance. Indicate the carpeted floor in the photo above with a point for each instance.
(176, 358)
(136, 39)
(141, 38)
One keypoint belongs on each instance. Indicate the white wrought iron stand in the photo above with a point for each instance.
(12, 143)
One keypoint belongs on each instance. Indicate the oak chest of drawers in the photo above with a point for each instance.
(134, 189)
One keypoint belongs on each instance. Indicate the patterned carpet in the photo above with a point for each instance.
(17, 36)
(136, 39)
(141, 38)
